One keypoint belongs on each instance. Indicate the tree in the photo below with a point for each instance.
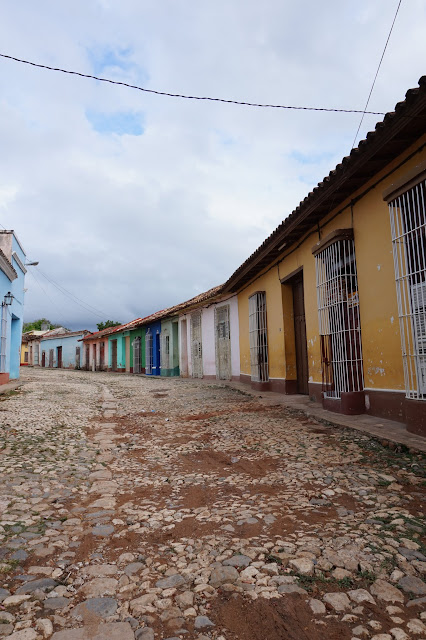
(107, 324)
(35, 325)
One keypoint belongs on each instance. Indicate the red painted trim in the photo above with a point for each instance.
(4, 378)
(415, 415)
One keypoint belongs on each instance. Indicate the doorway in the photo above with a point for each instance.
(114, 355)
(43, 358)
(223, 343)
(59, 357)
(127, 353)
(184, 349)
(300, 335)
(196, 346)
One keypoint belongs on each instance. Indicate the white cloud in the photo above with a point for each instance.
(134, 223)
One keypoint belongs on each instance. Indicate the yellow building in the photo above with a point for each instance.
(24, 352)
(333, 303)
(30, 347)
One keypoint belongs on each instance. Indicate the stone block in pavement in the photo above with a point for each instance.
(411, 584)
(4, 593)
(102, 607)
(44, 584)
(237, 561)
(223, 575)
(110, 631)
(386, 592)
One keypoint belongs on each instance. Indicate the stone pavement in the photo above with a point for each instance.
(387, 430)
(145, 508)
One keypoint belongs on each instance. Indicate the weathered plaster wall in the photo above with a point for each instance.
(208, 338)
(121, 350)
(68, 345)
(377, 293)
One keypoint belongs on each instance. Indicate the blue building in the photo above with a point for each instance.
(63, 350)
(152, 348)
(12, 276)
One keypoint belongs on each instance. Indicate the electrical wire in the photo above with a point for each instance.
(74, 298)
(189, 97)
(47, 296)
(377, 73)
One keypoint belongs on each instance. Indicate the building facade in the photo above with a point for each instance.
(333, 303)
(169, 346)
(12, 276)
(153, 348)
(63, 350)
(209, 337)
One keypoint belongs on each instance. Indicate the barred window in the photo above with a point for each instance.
(136, 344)
(408, 226)
(339, 318)
(149, 352)
(258, 337)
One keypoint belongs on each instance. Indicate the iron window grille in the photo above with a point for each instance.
(51, 358)
(77, 357)
(258, 337)
(136, 344)
(339, 319)
(408, 227)
(149, 352)
(222, 323)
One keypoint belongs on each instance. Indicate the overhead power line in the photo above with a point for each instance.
(377, 73)
(84, 305)
(60, 316)
(188, 97)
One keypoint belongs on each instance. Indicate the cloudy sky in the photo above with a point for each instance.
(133, 202)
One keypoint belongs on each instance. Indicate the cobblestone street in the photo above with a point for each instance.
(146, 508)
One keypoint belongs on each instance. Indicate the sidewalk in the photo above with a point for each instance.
(378, 427)
(11, 386)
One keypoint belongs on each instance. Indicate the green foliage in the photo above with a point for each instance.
(107, 324)
(36, 325)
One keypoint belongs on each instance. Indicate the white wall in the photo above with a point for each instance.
(208, 337)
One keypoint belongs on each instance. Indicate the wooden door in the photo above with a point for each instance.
(59, 357)
(127, 352)
(223, 343)
(196, 346)
(300, 336)
(114, 355)
(43, 358)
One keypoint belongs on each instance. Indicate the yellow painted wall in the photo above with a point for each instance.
(376, 281)
(270, 283)
(24, 350)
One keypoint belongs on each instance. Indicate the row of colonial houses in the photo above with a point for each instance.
(331, 305)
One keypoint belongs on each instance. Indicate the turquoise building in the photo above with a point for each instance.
(126, 348)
